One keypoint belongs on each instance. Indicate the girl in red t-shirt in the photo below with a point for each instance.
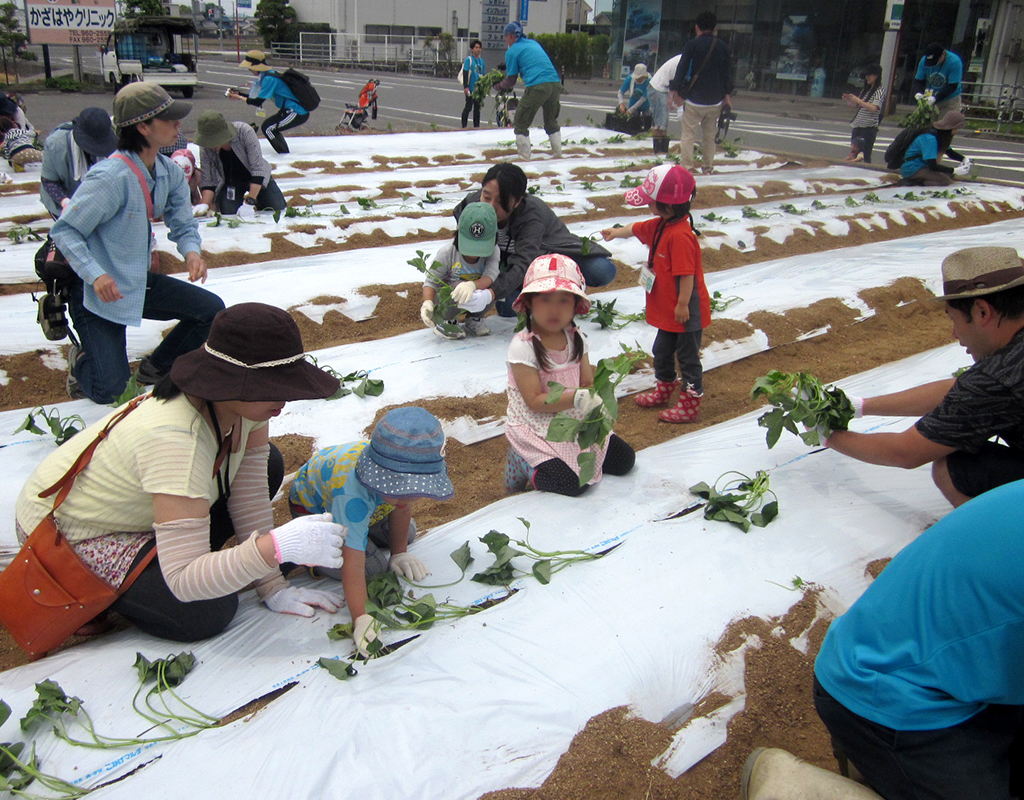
(678, 304)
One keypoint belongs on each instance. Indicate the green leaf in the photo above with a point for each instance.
(563, 428)
(587, 462)
(701, 490)
(277, 215)
(341, 670)
(340, 632)
(495, 541)
(768, 512)
(462, 556)
(5, 712)
(542, 571)
(555, 392)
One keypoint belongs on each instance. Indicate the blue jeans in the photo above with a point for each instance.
(597, 271)
(269, 197)
(102, 371)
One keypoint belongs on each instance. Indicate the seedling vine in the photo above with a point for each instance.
(62, 428)
(739, 499)
(801, 399)
(444, 308)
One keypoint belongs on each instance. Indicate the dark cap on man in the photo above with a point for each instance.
(932, 54)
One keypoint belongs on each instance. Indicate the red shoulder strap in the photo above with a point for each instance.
(142, 182)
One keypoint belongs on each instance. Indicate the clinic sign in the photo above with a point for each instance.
(86, 22)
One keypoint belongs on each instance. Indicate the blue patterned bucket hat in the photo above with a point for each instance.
(405, 456)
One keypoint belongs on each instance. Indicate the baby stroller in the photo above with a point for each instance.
(355, 116)
(505, 106)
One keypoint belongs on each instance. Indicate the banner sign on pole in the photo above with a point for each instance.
(524, 10)
(243, 3)
(69, 21)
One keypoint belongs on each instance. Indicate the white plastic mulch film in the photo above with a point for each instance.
(490, 701)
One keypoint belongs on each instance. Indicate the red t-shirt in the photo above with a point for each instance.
(678, 254)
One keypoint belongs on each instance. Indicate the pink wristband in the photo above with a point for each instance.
(277, 549)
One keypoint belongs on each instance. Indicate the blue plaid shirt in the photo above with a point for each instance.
(105, 229)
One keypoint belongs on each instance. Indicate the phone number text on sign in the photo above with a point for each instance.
(56, 24)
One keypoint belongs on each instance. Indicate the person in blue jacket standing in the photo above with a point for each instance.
(543, 88)
(920, 682)
(472, 69)
(942, 71)
(269, 86)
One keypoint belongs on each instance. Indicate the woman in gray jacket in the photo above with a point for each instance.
(233, 169)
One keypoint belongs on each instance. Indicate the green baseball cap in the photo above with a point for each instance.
(478, 229)
(212, 130)
(141, 101)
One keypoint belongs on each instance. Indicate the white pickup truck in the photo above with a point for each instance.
(158, 49)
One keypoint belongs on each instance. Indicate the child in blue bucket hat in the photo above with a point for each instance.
(370, 487)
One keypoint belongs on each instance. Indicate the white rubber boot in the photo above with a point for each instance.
(523, 146)
(773, 774)
(556, 144)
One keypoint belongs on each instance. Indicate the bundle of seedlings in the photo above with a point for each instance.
(798, 398)
(739, 499)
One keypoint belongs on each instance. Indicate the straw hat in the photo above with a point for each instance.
(255, 59)
(978, 271)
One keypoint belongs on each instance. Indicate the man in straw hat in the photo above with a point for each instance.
(983, 288)
(268, 85)
(105, 231)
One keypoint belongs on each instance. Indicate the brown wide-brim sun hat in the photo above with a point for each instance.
(950, 121)
(254, 354)
(255, 59)
(977, 271)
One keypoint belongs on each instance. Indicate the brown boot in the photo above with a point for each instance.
(658, 396)
(685, 410)
(773, 774)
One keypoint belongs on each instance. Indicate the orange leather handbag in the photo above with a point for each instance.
(47, 593)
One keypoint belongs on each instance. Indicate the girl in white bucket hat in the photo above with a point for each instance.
(551, 348)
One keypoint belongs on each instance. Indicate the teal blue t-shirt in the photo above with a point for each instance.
(939, 635)
(923, 148)
(474, 67)
(949, 71)
(527, 59)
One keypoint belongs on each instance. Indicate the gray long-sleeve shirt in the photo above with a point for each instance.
(246, 146)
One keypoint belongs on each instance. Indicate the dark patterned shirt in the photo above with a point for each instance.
(986, 401)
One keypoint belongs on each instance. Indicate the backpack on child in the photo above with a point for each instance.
(897, 150)
(303, 90)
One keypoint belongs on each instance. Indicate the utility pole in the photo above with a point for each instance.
(890, 48)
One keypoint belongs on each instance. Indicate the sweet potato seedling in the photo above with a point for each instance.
(720, 302)
(62, 428)
(443, 305)
(739, 499)
(801, 399)
(605, 315)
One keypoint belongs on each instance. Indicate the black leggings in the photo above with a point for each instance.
(274, 127)
(149, 602)
(556, 476)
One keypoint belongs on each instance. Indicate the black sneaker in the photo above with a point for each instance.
(71, 383)
(147, 374)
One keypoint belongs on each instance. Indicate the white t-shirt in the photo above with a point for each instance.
(666, 72)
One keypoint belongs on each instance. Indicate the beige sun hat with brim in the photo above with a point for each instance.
(950, 121)
(978, 271)
(640, 71)
(255, 59)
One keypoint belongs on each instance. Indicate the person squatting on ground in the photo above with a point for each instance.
(984, 296)
(189, 468)
(678, 304)
(105, 233)
(233, 168)
(468, 265)
(551, 348)
(527, 227)
(942, 71)
(633, 92)
(919, 682)
(921, 165)
(869, 102)
(71, 149)
(187, 162)
(703, 83)
(19, 145)
(371, 488)
(268, 85)
(659, 99)
(472, 70)
(543, 88)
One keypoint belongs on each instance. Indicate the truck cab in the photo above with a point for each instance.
(158, 49)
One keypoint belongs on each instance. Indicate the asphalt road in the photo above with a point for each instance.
(411, 102)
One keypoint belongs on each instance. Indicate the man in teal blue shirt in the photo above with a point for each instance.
(472, 70)
(543, 87)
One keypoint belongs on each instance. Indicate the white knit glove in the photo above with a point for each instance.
(300, 601)
(477, 302)
(918, 96)
(963, 168)
(858, 405)
(200, 210)
(364, 631)
(586, 401)
(408, 566)
(313, 540)
(426, 309)
(462, 292)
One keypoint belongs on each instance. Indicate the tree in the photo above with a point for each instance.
(273, 18)
(143, 8)
(11, 35)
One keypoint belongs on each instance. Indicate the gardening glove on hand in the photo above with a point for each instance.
(477, 302)
(300, 601)
(918, 96)
(586, 401)
(858, 405)
(408, 566)
(426, 309)
(364, 631)
(462, 292)
(313, 540)
(200, 210)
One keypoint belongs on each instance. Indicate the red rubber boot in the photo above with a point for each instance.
(685, 410)
(658, 396)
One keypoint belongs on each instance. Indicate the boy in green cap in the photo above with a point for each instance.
(468, 264)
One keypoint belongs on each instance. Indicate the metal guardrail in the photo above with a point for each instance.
(1002, 103)
(374, 52)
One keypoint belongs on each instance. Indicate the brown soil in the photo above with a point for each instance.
(874, 569)
(31, 382)
(610, 759)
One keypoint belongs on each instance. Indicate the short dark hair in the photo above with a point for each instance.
(707, 21)
(131, 140)
(511, 183)
(1008, 303)
(474, 43)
